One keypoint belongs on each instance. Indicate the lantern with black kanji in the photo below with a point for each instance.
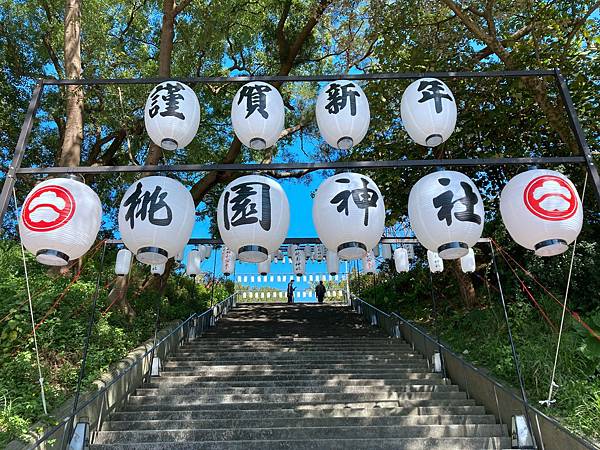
(436, 264)
(446, 213)
(343, 114)
(156, 218)
(253, 216)
(299, 262)
(59, 220)
(172, 115)
(257, 115)
(542, 211)
(227, 261)
(369, 263)
(349, 214)
(428, 111)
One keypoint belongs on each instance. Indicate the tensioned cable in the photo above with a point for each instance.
(549, 400)
(33, 327)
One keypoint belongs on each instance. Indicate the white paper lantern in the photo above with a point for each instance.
(376, 251)
(157, 269)
(343, 114)
(59, 220)
(333, 262)
(369, 263)
(201, 249)
(428, 111)
(264, 267)
(386, 251)
(194, 259)
(542, 211)
(436, 264)
(253, 215)
(179, 255)
(257, 115)
(156, 218)
(410, 250)
(349, 214)
(299, 262)
(401, 260)
(172, 115)
(446, 213)
(227, 261)
(467, 262)
(207, 251)
(123, 262)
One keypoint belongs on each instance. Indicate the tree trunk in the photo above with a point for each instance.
(167, 33)
(118, 294)
(465, 284)
(73, 136)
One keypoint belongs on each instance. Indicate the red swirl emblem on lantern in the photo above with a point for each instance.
(48, 208)
(550, 198)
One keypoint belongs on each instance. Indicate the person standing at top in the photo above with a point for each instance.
(320, 290)
(290, 291)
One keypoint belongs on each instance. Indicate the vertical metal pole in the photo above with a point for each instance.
(156, 324)
(67, 435)
(11, 175)
(212, 289)
(513, 348)
(435, 325)
(578, 132)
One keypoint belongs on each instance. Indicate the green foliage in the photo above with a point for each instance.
(61, 335)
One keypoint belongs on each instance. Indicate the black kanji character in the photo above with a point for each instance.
(433, 89)
(147, 204)
(338, 98)
(256, 100)
(363, 198)
(171, 99)
(244, 209)
(445, 202)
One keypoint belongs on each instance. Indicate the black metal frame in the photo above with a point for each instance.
(586, 157)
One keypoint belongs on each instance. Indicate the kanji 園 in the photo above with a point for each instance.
(363, 198)
(171, 99)
(339, 96)
(148, 205)
(433, 90)
(445, 202)
(256, 100)
(245, 210)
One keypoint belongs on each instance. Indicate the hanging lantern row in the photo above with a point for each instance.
(61, 217)
(281, 294)
(286, 278)
(172, 114)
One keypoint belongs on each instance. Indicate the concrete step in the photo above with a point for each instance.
(462, 443)
(297, 422)
(150, 404)
(190, 390)
(371, 372)
(227, 434)
(296, 413)
(307, 376)
(276, 354)
(164, 382)
(257, 364)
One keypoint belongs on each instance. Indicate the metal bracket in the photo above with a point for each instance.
(81, 437)
(520, 433)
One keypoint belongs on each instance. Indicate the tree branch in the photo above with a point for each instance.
(182, 5)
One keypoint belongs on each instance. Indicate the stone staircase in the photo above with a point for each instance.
(299, 377)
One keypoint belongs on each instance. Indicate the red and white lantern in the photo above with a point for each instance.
(60, 220)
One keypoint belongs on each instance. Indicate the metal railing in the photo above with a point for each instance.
(104, 401)
(502, 401)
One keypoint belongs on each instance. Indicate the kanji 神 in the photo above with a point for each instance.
(433, 89)
(338, 97)
(445, 202)
(256, 100)
(244, 209)
(363, 198)
(148, 205)
(171, 99)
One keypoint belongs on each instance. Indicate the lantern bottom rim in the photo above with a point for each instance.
(152, 255)
(551, 247)
(253, 253)
(453, 250)
(345, 143)
(352, 250)
(169, 144)
(258, 144)
(51, 257)
(433, 140)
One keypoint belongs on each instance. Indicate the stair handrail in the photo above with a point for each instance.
(450, 355)
(197, 320)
